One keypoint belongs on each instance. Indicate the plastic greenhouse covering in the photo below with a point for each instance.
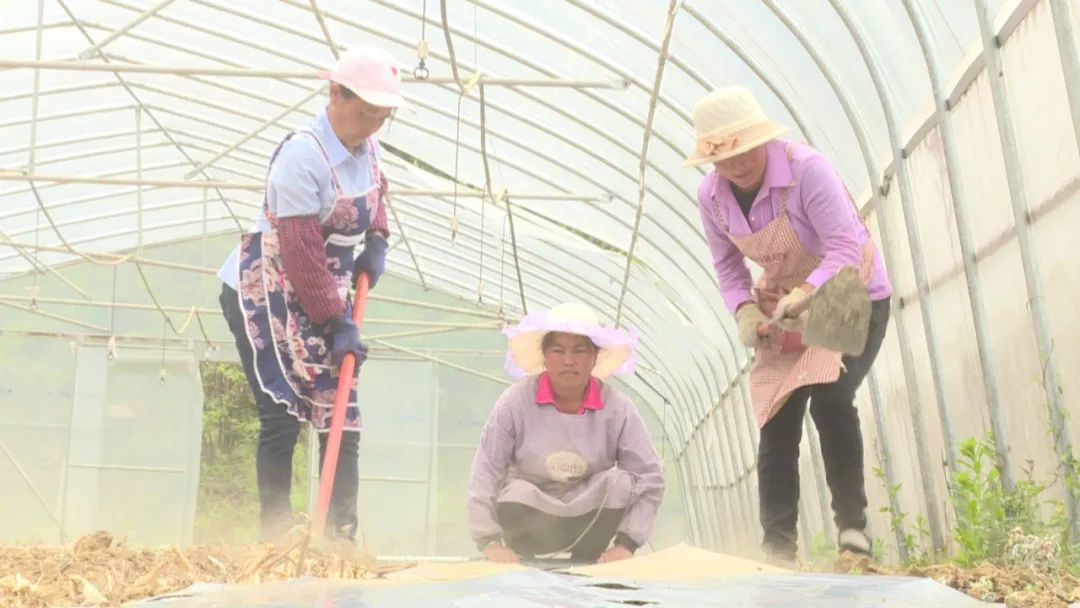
(539, 161)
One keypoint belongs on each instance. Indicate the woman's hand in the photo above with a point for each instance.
(500, 553)
(793, 300)
(614, 554)
(752, 324)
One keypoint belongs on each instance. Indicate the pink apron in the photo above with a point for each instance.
(778, 371)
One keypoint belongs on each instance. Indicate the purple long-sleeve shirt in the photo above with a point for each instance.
(822, 214)
(565, 464)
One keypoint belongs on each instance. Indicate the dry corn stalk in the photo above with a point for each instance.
(97, 570)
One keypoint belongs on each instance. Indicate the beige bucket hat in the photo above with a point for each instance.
(729, 122)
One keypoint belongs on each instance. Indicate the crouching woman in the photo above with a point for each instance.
(565, 463)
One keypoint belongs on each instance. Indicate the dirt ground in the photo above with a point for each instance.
(100, 570)
(1019, 586)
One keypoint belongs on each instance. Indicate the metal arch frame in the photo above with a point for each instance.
(147, 307)
(69, 202)
(751, 63)
(428, 213)
(35, 263)
(325, 29)
(897, 160)
(207, 29)
(908, 212)
(170, 110)
(1070, 59)
(585, 53)
(532, 64)
(380, 34)
(79, 140)
(855, 122)
(976, 300)
(97, 47)
(549, 181)
(405, 239)
(542, 275)
(30, 28)
(1029, 259)
(572, 170)
(144, 68)
(538, 272)
(123, 83)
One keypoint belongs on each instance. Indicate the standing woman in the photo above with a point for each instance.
(286, 286)
(782, 205)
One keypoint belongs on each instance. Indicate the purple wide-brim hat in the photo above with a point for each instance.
(524, 355)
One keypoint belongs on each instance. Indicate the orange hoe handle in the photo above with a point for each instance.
(337, 422)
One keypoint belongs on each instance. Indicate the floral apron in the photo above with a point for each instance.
(778, 371)
(292, 354)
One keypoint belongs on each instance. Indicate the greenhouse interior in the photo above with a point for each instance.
(539, 155)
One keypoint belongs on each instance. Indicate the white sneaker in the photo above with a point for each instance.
(854, 540)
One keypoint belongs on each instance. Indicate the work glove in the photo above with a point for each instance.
(749, 317)
(344, 339)
(780, 318)
(372, 259)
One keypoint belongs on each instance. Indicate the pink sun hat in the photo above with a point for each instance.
(371, 73)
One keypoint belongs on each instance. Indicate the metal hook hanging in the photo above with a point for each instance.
(421, 72)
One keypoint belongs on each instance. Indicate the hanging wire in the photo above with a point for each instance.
(168, 320)
(34, 289)
(457, 156)
(161, 372)
(110, 351)
(63, 241)
(450, 48)
(210, 347)
(502, 265)
(421, 72)
(483, 206)
(505, 197)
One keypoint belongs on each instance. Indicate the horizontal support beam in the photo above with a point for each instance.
(11, 298)
(155, 343)
(422, 355)
(115, 257)
(143, 68)
(8, 175)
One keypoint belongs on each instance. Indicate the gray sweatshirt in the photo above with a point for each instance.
(565, 464)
